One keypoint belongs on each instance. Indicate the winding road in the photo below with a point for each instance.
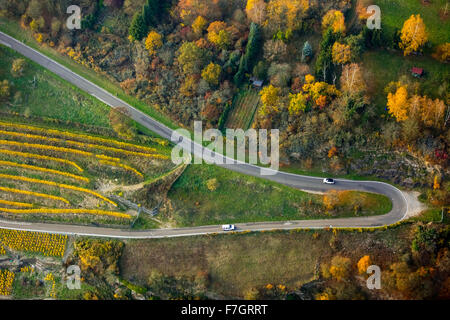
(399, 202)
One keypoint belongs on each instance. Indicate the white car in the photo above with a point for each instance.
(228, 227)
(328, 181)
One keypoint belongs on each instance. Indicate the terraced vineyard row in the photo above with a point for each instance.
(47, 172)
(244, 108)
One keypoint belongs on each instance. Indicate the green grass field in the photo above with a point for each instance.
(245, 105)
(383, 67)
(394, 14)
(40, 93)
(240, 198)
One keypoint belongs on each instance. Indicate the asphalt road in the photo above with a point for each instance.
(399, 203)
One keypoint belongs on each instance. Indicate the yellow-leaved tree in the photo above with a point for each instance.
(413, 35)
(341, 53)
(218, 34)
(199, 25)
(363, 264)
(442, 52)
(153, 42)
(335, 20)
(270, 96)
(212, 73)
(398, 103)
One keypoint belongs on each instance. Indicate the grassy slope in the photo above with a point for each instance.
(244, 199)
(383, 67)
(51, 97)
(238, 262)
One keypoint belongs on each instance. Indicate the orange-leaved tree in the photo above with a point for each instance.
(398, 103)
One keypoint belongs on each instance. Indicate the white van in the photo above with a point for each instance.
(228, 227)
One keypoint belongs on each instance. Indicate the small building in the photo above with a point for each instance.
(256, 82)
(417, 72)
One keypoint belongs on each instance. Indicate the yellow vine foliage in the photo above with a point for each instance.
(16, 204)
(57, 149)
(68, 211)
(56, 184)
(77, 136)
(121, 165)
(34, 194)
(37, 242)
(76, 143)
(6, 281)
(41, 157)
(41, 169)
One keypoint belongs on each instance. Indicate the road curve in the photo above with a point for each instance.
(399, 203)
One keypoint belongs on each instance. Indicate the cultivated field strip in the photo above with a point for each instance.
(82, 137)
(68, 211)
(78, 144)
(35, 242)
(40, 157)
(34, 194)
(27, 151)
(41, 169)
(56, 184)
(244, 108)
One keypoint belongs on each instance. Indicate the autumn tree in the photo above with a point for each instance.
(285, 16)
(433, 112)
(256, 10)
(211, 73)
(442, 52)
(153, 42)
(189, 10)
(191, 58)
(413, 35)
(340, 268)
(398, 103)
(270, 97)
(189, 87)
(321, 93)
(18, 67)
(363, 264)
(199, 25)
(334, 19)
(297, 103)
(219, 35)
(352, 80)
(341, 53)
